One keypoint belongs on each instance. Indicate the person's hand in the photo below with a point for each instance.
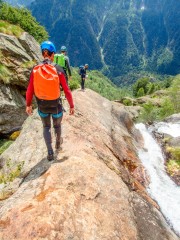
(71, 111)
(29, 110)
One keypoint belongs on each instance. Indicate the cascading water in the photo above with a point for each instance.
(161, 187)
(168, 128)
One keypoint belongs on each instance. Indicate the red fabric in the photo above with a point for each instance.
(62, 79)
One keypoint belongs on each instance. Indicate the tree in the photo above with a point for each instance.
(141, 83)
(140, 92)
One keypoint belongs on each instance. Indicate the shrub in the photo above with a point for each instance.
(166, 109)
(73, 84)
(173, 167)
(140, 84)
(127, 102)
(175, 152)
(149, 113)
(140, 92)
(5, 74)
(23, 18)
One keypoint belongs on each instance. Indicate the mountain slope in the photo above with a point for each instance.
(119, 36)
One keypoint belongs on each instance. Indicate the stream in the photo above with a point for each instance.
(161, 188)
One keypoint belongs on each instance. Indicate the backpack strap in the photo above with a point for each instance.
(56, 58)
(59, 69)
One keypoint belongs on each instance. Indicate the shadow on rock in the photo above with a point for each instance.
(42, 167)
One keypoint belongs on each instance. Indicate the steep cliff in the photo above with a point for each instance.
(88, 191)
(18, 55)
(119, 37)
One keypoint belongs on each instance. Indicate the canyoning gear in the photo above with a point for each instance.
(49, 46)
(46, 82)
(79, 70)
(62, 82)
(63, 61)
(63, 49)
(82, 72)
(60, 60)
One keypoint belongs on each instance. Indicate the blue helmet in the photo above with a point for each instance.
(63, 49)
(49, 46)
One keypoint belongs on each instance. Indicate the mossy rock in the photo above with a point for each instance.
(173, 167)
(175, 152)
(4, 144)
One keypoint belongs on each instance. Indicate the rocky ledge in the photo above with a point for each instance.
(18, 55)
(93, 190)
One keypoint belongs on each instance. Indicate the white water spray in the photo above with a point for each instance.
(161, 187)
(168, 128)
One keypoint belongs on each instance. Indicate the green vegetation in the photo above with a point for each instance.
(128, 102)
(146, 85)
(133, 42)
(4, 144)
(173, 165)
(23, 19)
(5, 74)
(175, 152)
(10, 171)
(10, 29)
(149, 113)
(100, 84)
(74, 83)
(174, 93)
(28, 64)
(170, 104)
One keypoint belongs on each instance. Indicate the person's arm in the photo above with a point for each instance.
(67, 92)
(68, 66)
(29, 95)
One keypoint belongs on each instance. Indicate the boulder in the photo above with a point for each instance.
(18, 55)
(175, 118)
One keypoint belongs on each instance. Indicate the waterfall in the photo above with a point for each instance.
(161, 188)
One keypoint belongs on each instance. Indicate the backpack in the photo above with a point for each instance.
(46, 82)
(60, 60)
(80, 70)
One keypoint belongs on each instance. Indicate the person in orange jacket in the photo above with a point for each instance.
(44, 82)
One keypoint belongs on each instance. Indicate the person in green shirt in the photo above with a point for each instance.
(63, 60)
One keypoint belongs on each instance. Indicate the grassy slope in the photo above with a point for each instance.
(100, 84)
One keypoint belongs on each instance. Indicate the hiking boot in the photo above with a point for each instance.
(58, 143)
(50, 156)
